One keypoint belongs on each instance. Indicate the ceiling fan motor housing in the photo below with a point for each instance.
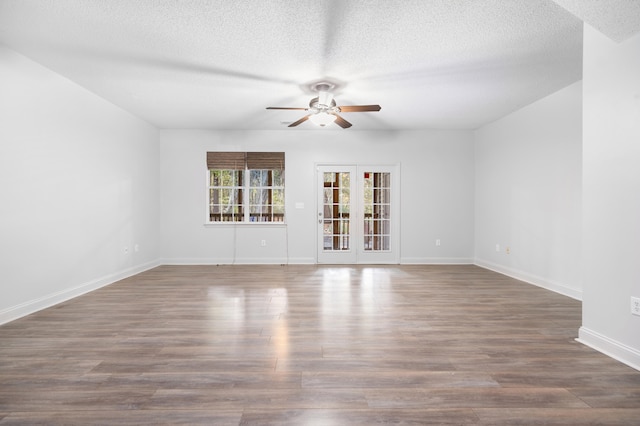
(315, 105)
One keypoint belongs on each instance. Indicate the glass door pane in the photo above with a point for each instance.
(335, 214)
(378, 218)
(377, 211)
(337, 211)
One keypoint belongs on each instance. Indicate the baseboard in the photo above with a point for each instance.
(436, 261)
(261, 261)
(241, 261)
(616, 350)
(197, 261)
(301, 261)
(307, 261)
(531, 279)
(32, 306)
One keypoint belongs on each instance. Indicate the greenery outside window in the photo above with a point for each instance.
(246, 186)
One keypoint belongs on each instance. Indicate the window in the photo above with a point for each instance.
(246, 186)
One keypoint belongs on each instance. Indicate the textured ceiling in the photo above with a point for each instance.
(617, 19)
(217, 64)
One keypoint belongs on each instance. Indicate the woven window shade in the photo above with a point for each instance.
(265, 160)
(226, 160)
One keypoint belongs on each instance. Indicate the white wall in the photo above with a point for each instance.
(436, 194)
(78, 183)
(528, 193)
(611, 206)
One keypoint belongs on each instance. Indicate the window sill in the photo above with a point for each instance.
(248, 224)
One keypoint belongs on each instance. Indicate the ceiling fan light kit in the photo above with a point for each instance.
(323, 109)
(322, 118)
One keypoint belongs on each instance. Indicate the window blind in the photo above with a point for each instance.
(226, 160)
(265, 160)
(242, 160)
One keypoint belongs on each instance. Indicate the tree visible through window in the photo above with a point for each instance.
(246, 186)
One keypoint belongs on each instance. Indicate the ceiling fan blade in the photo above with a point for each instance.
(360, 108)
(289, 108)
(342, 122)
(302, 120)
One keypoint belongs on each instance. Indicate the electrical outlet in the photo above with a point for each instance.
(126, 250)
(263, 243)
(497, 247)
(635, 305)
(438, 242)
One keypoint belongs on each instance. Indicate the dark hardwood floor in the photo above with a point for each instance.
(307, 345)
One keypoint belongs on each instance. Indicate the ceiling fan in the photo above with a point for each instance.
(323, 109)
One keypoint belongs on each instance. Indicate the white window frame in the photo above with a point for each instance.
(246, 196)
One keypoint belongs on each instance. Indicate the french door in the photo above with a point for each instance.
(357, 214)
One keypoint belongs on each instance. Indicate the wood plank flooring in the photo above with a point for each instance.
(312, 345)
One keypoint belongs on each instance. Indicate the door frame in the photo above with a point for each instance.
(358, 255)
